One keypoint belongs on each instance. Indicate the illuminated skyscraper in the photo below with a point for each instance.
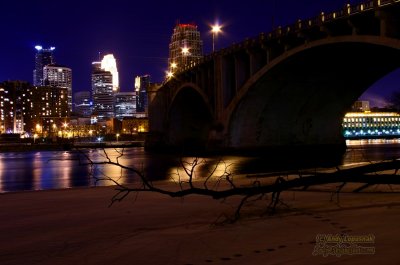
(15, 107)
(59, 76)
(43, 57)
(49, 108)
(185, 48)
(142, 84)
(83, 104)
(104, 84)
(103, 94)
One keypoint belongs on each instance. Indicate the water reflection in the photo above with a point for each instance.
(59, 169)
(40, 170)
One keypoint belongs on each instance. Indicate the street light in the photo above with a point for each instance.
(185, 53)
(169, 74)
(172, 69)
(215, 29)
(117, 136)
(65, 125)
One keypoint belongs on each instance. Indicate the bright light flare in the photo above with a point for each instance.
(169, 74)
(215, 29)
(185, 50)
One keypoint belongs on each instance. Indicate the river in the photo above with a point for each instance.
(44, 170)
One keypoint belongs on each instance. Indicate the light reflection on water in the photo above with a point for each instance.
(362, 142)
(39, 170)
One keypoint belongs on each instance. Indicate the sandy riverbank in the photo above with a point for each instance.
(77, 227)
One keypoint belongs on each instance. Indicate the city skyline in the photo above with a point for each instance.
(139, 35)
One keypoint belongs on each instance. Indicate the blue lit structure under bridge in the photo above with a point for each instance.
(358, 125)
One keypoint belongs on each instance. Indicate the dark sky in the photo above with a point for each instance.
(136, 32)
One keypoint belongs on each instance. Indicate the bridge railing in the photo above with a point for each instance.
(323, 18)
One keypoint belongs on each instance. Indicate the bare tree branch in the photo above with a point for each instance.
(224, 185)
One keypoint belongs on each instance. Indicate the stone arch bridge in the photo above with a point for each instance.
(289, 88)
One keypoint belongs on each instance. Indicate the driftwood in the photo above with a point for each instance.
(223, 185)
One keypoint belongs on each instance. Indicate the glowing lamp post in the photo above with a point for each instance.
(117, 136)
(215, 29)
(174, 66)
(185, 53)
(172, 70)
(170, 75)
(65, 125)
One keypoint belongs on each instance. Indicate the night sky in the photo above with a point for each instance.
(138, 33)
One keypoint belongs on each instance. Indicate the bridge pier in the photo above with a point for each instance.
(389, 24)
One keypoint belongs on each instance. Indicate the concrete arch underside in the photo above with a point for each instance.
(189, 120)
(300, 100)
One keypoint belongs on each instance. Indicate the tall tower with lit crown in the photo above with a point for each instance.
(110, 64)
(185, 47)
(104, 86)
(43, 57)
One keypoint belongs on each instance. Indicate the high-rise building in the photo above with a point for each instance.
(15, 107)
(104, 84)
(110, 64)
(38, 109)
(49, 109)
(59, 76)
(124, 105)
(185, 47)
(103, 95)
(142, 84)
(83, 104)
(43, 57)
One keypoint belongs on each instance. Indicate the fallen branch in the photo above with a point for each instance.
(225, 187)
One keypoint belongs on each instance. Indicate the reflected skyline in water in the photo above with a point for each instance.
(44, 170)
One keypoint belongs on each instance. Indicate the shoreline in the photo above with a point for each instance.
(76, 226)
(27, 147)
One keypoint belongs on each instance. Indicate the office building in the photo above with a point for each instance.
(124, 105)
(83, 104)
(15, 107)
(105, 83)
(59, 76)
(43, 57)
(142, 84)
(185, 48)
(50, 109)
(103, 95)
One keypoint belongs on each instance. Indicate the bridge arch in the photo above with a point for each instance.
(189, 118)
(300, 97)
